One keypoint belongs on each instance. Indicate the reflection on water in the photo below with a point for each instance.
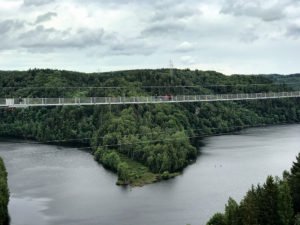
(51, 185)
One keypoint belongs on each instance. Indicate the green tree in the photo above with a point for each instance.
(294, 182)
(123, 172)
(4, 194)
(269, 204)
(297, 219)
(217, 219)
(249, 208)
(232, 216)
(285, 205)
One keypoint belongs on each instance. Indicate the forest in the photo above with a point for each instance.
(4, 195)
(141, 143)
(276, 202)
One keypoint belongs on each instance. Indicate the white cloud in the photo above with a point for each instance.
(226, 35)
(185, 47)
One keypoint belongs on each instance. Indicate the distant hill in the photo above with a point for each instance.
(292, 80)
(141, 143)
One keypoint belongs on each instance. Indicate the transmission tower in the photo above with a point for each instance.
(171, 68)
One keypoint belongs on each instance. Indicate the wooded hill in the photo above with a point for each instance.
(142, 143)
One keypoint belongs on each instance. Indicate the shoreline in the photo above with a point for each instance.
(140, 174)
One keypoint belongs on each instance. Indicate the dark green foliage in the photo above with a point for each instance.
(285, 205)
(165, 175)
(297, 219)
(232, 213)
(294, 182)
(4, 195)
(217, 219)
(270, 204)
(123, 172)
(249, 207)
(161, 137)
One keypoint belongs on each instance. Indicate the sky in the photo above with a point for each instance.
(229, 36)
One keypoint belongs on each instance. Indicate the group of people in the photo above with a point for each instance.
(166, 97)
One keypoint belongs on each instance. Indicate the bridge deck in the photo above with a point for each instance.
(25, 102)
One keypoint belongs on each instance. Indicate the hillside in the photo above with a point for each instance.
(4, 195)
(141, 143)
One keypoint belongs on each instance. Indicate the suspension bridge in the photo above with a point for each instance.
(121, 100)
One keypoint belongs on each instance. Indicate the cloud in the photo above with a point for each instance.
(146, 33)
(293, 31)
(37, 2)
(249, 35)
(49, 38)
(268, 10)
(10, 25)
(163, 28)
(45, 17)
(180, 11)
(131, 47)
(185, 47)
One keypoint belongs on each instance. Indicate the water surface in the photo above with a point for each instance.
(53, 185)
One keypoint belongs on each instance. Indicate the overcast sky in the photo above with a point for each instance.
(230, 36)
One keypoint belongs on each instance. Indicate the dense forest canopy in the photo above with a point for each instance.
(4, 195)
(276, 202)
(141, 143)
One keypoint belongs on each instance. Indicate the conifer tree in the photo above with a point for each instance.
(249, 208)
(285, 205)
(232, 213)
(217, 219)
(294, 182)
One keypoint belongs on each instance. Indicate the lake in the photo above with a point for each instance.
(65, 186)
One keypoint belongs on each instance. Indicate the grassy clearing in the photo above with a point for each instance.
(140, 175)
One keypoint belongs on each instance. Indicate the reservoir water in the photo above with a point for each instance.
(52, 185)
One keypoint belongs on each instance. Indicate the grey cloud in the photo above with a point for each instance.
(248, 37)
(37, 2)
(175, 12)
(293, 31)
(163, 28)
(256, 8)
(41, 39)
(8, 31)
(125, 2)
(132, 47)
(45, 17)
(10, 25)
(50, 38)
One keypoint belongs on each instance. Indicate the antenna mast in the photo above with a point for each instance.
(171, 68)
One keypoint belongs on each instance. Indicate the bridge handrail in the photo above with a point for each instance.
(11, 102)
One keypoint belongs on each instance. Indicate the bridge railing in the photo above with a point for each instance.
(20, 102)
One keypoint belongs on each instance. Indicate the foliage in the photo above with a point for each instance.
(294, 182)
(217, 219)
(160, 137)
(4, 195)
(270, 204)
